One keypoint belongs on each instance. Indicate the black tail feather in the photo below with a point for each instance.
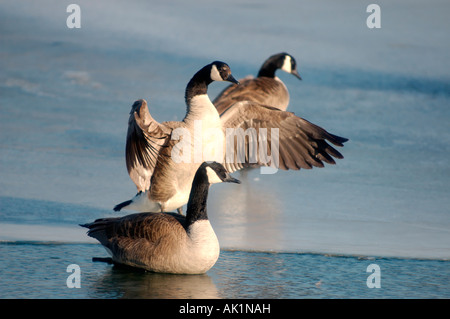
(118, 207)
(107, 260)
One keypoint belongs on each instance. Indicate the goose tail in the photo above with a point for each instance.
(118, 207)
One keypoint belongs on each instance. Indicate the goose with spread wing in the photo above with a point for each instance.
(164, 181)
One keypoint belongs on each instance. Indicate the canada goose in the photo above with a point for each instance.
(164, 184)
(266, 88)
(163, 242)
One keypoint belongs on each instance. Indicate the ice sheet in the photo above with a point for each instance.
(65, 95)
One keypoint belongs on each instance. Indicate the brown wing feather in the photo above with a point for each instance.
(263, 90)
(137, 238)
(145, 138)
(302, 144)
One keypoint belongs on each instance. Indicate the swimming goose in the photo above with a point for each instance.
(162, 183)
(163, 242)
(266, 88)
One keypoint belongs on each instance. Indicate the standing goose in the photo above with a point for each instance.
(162, 242)
(162, 183)
(266, 88)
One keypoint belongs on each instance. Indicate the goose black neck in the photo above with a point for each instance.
(198, 84)
(268, 68)
(196, 207)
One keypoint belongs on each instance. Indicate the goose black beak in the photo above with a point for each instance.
(231, 79)
(295, 73)
(230, 179)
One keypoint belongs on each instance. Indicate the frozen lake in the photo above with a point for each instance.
(65, 95)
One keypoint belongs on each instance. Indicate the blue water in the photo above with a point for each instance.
(39, 270)
(65, 95)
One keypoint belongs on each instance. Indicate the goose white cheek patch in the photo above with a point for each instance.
(212, 176)
(287, 64)
(215, 75)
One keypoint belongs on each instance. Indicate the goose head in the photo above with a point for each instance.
(215, 71)
(283, 61)
(288, 64)
(215, 173)
(220, 71)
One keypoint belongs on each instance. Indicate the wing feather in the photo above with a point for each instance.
(145, 138)
(137, 238)
(302, 144)
(263, 90)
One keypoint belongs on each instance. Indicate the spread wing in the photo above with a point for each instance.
(263, 90)
(301, 144)
(145, 138)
